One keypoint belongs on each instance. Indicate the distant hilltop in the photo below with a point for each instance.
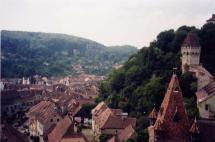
(51, 54)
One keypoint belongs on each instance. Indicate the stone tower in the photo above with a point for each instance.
(190, 51)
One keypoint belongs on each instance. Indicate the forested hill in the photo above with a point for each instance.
(30, 53)
(143, 79)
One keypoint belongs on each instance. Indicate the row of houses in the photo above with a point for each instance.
(55, 121)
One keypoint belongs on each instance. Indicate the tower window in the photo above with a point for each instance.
(176, 117)
(206, 107)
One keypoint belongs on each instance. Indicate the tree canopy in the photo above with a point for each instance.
(142, 81)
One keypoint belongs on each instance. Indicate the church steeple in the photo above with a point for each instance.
(172, 121)
(194, 132)
(153, 116)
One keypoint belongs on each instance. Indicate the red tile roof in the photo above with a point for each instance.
(60, 129)
(173, 103)
(44, 111)
(191, 40)
(206, 92)
(127, 133)
(153, 114)
(75, 137)
(99, 108)
(194, 128)
(158, 125)
(107, 118)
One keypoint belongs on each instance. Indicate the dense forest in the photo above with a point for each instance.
(48, 54)
(141, 83)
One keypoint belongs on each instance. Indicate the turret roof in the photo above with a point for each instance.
(153, 114)
(191, 40)
(194, 128)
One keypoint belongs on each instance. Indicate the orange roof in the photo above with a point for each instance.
(172, 106)
(158, 125)
(127, 133)
(191, 40)
(44, 111)
(107, 118)
(153, 114)
(99, 108)
(60, 129)
(194, 128)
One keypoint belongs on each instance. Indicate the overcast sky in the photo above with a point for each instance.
(110, 22)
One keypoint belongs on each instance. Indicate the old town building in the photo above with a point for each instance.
(206, 101)
(42, 118)
(111, 122)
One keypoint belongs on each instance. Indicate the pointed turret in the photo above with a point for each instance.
(194, 132)
(194, 128)
(172, 112)
(153, 116)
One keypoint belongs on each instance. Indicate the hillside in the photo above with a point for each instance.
(49, 54)
(142, 81)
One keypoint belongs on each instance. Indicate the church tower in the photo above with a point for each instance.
(190, 51)
(171, 124)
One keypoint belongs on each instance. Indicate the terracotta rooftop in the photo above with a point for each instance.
(75, 137)
(117, 122)
(60, 129)
(124, 135)
(210, 88)
(191, 40)
(107, 118)
(171, 108)
(127, 133)
(158, 125)
(206, 92)
(44, 111)
(99, 108)
(153, 114)
(194, 128)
